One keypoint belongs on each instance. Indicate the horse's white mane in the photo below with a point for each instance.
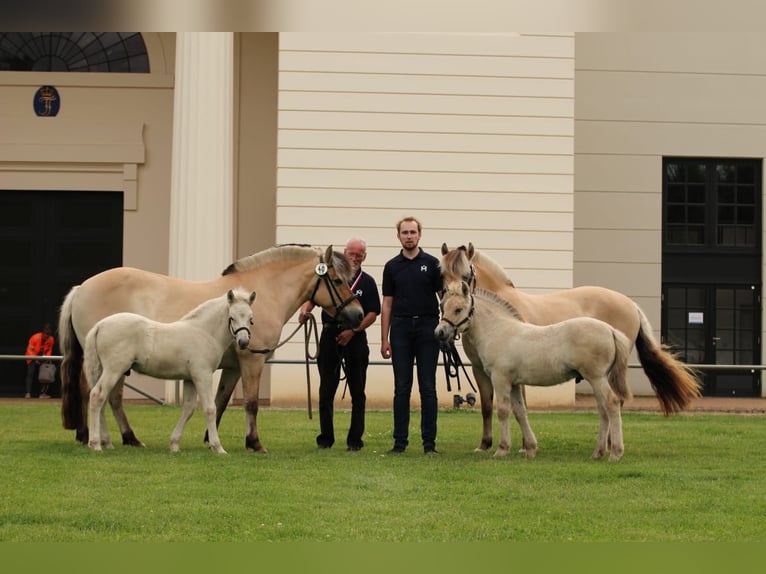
(496, 299)
(457, 263)
(279, 252)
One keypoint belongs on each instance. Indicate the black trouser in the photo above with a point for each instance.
(356, 358)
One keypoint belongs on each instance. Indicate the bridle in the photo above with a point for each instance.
(322, 275)
(321, 272)
(463, 321)
(234, 332)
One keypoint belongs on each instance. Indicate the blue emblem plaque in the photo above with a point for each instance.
(47, 101)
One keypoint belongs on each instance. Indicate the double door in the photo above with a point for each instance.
(717, 325)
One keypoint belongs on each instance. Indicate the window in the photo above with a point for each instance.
(121, 52)
(711, 203)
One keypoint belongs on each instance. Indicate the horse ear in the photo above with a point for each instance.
(230, 295)
(328, 256)
(466, 289)
(252, 297)
(445, 250)
(470, 250)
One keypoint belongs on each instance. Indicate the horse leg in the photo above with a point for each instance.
(205, 390)
(97, 402)
(226, 386)
(252, 368)
(503, 415)
(190, 403)
(81, 433)
(115, 401)
(485, 398)
(518, 404)
(610, 421)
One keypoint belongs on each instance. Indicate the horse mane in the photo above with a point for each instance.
(457, 264)
(493, 297)
(278, 252)
(492, 266)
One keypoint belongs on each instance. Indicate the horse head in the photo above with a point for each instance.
(456, 264)
(332, 291)
(457, 309)
(240, 316)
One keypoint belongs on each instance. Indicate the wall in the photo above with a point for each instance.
(473, 134)
(639, 97)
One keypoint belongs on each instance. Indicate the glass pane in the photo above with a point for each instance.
(724, 318)
(725, 172)
(696, 194)
(696, 173)
(746, 215)
(725, 298)
(676, 214)
(726, 214)
(726, 194)
(745, 174)
(673, 172)
(696, 298)
(696, 235)
(746, 195)
(677, 193)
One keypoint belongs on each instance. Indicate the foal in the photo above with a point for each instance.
(515, 353)
(189, 349)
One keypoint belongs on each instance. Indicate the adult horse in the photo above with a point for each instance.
(284, 277)
(674, 382)
(515, 353)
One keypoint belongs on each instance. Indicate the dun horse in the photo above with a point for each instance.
(284, 278)
(514, 353)
(189, 349)
(674, 382)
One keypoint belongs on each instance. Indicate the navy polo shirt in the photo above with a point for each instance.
(366, 291)
(413, 283)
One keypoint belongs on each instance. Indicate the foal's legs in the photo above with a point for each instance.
(99, 433)
(503, 388)
(205, 390)
(610, 421)
(189, 404)
(528, 438)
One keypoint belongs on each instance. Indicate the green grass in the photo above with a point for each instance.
(691, 478)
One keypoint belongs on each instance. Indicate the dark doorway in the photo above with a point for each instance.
(51, 241)
(711, 269)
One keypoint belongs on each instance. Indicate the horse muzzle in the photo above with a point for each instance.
(242, 337)
(351, 316)
(444, 332)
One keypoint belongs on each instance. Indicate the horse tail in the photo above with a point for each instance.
(674, 382)
(618, 372)
(72, 415)
(92, 360)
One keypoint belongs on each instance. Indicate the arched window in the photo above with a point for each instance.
(123, 52)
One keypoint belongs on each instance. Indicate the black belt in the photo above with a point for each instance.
(413, 316)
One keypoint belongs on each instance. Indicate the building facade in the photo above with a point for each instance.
(631, 161)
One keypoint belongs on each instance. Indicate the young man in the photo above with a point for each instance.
(410, 313)
(348, 347)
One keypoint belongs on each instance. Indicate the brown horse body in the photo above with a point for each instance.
(284, 277)
(674, 383)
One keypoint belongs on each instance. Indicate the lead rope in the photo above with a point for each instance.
(308, 326)
(452, 365)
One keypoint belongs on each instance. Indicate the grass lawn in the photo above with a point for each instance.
(690, 478)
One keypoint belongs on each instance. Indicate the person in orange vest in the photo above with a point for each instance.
(40, 344)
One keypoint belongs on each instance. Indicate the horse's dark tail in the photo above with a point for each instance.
(675, 383)
(72, 405)
(618, 372)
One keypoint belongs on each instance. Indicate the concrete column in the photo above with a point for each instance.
(201, 196)
(201, 199)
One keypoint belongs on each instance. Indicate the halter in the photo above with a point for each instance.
(465, 319)
(234, 332)
(321, 271)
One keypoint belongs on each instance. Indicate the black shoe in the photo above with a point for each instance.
(354, 448)
(430, 450)
(320, 445)
(396, 450)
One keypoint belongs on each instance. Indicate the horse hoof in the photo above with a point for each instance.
(500, 453)
(95, 447)
(479, 449)
(529, 453)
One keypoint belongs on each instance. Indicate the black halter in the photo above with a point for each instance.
(337, 300)
(234, 332)
(465, 319)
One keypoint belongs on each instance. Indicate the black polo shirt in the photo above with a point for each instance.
(366, 291)
(413, 283)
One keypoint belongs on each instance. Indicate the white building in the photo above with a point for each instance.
(631, 161)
